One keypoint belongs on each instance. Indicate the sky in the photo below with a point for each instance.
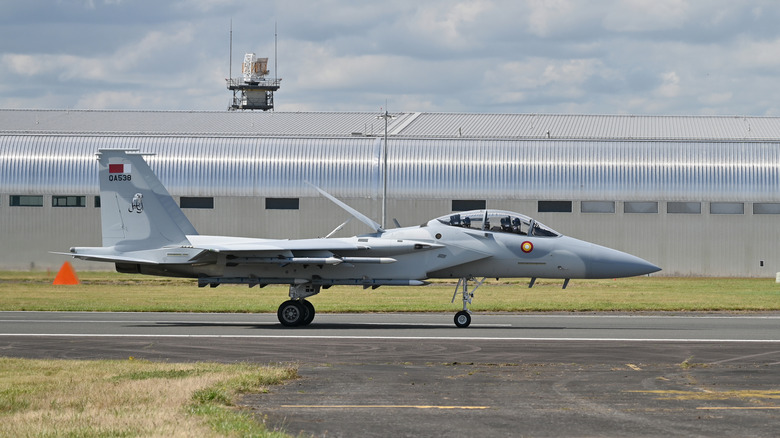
(675, 57)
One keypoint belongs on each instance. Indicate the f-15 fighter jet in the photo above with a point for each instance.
(145, 232)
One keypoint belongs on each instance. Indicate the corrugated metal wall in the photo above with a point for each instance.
(418, 168)
(197, 166)
(275, 167)
(586, 170)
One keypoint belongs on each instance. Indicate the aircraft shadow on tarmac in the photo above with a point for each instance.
(362, 326)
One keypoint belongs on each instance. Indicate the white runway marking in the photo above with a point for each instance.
(390, 338)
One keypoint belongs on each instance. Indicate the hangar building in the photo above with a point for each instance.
(695, 195)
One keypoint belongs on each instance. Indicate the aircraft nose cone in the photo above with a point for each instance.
(611, 263)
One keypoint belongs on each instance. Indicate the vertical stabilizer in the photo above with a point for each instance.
(137, 212)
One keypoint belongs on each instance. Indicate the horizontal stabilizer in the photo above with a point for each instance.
(109, 258)
(157, 256)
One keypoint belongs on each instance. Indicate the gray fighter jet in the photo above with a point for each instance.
(145, 232)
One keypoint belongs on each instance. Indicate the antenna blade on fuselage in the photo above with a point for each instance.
(337, 229)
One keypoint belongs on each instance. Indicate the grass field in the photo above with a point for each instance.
(107, 291)
(129, 398)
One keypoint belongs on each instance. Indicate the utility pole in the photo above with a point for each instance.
(387, 118)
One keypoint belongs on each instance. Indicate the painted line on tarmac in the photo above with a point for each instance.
(383, 407)
(750, 356)
(391, 338)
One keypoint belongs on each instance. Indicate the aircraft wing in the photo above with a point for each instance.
(237, 250)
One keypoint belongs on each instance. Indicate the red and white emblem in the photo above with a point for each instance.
(119, 168)
(527, 247)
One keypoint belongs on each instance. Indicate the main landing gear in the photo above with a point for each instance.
(463, 318)
(297, 312)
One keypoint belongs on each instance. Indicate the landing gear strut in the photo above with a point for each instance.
(463, 318)
(297, 312)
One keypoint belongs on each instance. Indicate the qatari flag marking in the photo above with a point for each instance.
(118, 168)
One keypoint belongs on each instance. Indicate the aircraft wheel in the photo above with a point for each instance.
(462, 319)
(309, 312)
(291, 313)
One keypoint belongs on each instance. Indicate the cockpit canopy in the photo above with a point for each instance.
(499, 221)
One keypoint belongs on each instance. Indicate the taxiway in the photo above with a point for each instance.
(418, 375)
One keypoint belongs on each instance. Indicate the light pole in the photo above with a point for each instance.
(387, 117)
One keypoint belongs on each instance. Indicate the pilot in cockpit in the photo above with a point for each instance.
(506, 224)
(517, 225)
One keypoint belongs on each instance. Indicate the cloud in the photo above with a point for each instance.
(119, 99)
(646, 15)
(49, 66)
(153, 49)
(538, 79)
(716, 98)
(628, 56)
(449, 24)
(550, 16)
(670, 85)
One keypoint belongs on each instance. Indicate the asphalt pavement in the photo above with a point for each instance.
(418, 375)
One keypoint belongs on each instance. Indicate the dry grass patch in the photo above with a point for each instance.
(128, 398)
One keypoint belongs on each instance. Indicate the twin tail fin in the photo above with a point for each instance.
(137, 212)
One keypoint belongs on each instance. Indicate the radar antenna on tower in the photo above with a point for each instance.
(253, 90)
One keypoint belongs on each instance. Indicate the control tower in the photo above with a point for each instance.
(253, 90)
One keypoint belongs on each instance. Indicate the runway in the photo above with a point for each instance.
(418, 375)
(553, 327)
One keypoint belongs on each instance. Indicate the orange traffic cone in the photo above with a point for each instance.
(66, 275)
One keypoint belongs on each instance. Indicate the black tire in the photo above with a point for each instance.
(462, 319)
(309, 312)
(291, 313)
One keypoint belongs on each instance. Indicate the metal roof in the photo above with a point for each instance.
(192, 123)
(413, 125)
(573, 126)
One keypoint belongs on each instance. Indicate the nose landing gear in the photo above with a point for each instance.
(463, 318)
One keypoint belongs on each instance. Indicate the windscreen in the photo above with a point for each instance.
(498, 221)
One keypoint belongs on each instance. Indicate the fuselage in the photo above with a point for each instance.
(455, 246)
